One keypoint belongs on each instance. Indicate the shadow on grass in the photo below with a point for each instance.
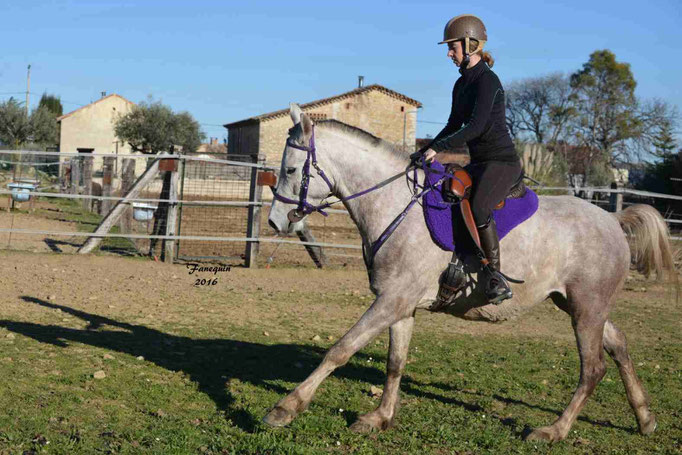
(210, 363)
(514, 401)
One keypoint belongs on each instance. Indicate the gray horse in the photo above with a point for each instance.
(570, 251)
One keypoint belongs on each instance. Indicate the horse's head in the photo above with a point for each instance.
(296, 168)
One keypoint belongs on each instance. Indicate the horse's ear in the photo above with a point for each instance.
(295, 113)
(307, 125)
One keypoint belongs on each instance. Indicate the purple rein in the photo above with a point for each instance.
(303, 207)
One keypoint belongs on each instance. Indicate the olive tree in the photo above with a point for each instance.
(15, 128)
(152, 127)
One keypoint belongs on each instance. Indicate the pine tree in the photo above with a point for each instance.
(52, 103)
(664, 143)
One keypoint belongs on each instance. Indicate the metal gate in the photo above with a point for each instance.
(234, 210)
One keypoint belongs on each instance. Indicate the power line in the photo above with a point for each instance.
(434, 123)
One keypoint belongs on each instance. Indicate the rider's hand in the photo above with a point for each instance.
(424, 153)
(429, 155)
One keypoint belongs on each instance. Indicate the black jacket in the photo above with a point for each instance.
(478, 104)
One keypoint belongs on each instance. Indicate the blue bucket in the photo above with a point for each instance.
(21, 192)
(143, 212)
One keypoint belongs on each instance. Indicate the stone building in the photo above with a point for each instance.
(90, 129)
(378, 110)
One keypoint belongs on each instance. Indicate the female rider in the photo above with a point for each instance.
(477, 118)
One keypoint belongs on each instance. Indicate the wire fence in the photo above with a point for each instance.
(52, 201)
(207, 181)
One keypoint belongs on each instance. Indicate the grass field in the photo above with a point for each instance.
(103, 354)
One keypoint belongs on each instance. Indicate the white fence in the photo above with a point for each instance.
(51, 184)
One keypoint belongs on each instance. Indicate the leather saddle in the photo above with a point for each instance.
(517, 190)
(458, 189)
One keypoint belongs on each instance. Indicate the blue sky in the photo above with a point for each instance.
(227, 60)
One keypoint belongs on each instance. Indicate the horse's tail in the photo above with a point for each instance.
(649, 239)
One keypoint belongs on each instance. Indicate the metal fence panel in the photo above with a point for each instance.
(214, 181)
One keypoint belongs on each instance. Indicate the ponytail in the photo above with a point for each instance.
(486, 57)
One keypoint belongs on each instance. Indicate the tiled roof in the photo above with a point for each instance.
(59, 119)
(331, 99)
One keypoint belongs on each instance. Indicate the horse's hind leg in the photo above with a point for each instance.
(616, 346)
(382, 314)
(382, 417)
(589, 328)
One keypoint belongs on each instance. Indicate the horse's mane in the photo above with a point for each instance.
(371, 139)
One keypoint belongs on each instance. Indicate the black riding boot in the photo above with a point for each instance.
(496, 287)
(452, 279)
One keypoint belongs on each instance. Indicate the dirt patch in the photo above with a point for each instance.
(37, 242)
(153, 293)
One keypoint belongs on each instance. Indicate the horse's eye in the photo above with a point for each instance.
(291, 170)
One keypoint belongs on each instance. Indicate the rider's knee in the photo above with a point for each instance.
(481, 213)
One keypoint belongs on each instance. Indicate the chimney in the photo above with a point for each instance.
(104, 94)
(361, 81)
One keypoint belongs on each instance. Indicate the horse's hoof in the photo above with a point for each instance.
(279, 417)
(543, 434)
(649, 427)
(360, 426)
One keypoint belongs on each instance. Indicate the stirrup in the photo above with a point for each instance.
(451, 281)
(499, 293)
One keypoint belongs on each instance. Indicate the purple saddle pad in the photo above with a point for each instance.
(438, 213)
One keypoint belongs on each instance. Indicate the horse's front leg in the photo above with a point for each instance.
(383, 313)
(382, 417)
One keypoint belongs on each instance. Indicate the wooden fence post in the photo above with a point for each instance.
(171, 221)
(253, 221)
(127, 181)
(616, 199)
(65, 176)
(75, 174)
(619, 201)
(87, 181)
(108, 172)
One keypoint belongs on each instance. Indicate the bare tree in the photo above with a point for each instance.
(539, 108)
(655, 117)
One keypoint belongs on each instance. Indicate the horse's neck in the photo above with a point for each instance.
(357, 167)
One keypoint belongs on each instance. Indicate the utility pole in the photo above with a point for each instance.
(28, 88)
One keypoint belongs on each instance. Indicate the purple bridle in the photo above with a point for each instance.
(303, 207)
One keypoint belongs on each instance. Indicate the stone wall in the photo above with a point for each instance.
(373, 111)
